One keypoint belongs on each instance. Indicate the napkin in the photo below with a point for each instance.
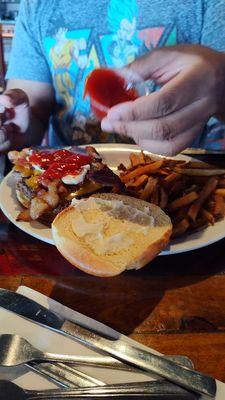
(100, 328)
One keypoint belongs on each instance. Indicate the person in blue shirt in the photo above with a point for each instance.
(179, 45)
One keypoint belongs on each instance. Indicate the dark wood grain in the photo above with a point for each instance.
(175, 305)
(206, 350)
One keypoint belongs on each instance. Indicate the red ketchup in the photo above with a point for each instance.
(106, 88)
(59, 163)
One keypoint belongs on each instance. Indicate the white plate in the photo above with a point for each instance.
(113, 155)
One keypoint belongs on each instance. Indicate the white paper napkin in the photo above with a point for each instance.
(46, 339)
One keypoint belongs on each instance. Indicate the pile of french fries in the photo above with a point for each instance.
(191, 193)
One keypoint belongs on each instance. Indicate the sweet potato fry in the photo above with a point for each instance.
(155, 196)
(148, 189)
(137, 183)
(176, 190)
(199, 225)
(145, 169)
(183, 201)
(163, 197)
(142, 157)
(220, 191)
(208, 216)
(218, 209)
(180, 228)
(134, 159)
(171, 179)
(192, 193)
(209, 187)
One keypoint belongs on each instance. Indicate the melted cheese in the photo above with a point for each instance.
(76, 179)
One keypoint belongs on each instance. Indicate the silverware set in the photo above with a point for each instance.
(179, 381)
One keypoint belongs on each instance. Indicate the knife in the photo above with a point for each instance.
(145, 360)
(214, 157)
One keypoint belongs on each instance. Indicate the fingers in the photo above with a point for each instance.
(14, 106)
(21, 118)
(13, 98)
(155, 63)
(172, 147)
(175, 95)
(162, 128)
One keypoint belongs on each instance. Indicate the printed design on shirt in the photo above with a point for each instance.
(70, 63)
(72, 55)
(214, 137)
(151, 36)
(171, 40)
(122, 45)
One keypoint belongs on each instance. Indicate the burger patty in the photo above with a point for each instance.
(26, 191)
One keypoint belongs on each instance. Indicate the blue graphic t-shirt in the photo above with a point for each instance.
(61, 41)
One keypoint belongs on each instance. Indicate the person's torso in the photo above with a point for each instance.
(78, 36)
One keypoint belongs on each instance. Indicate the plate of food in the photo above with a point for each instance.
(191, 193)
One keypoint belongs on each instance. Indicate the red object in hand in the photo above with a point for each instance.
(107, 88)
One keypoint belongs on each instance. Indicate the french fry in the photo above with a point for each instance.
(183, 201)
(146, 169)
(209, 187)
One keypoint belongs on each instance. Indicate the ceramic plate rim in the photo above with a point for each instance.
(197, 240)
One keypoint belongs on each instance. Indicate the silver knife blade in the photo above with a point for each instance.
(118, 348)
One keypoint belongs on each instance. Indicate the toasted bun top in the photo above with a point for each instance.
(108, 233)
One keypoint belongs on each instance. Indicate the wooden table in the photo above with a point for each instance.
(175, 305)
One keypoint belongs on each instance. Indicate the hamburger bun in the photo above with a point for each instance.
(108, 233)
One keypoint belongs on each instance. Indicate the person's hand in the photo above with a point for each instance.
(14, 119)
(193, 90)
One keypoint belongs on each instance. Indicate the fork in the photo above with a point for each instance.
(15, 350)
(151, 390)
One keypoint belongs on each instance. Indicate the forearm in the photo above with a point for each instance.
(35, 132)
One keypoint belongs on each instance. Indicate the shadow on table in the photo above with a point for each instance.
(126, 301)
